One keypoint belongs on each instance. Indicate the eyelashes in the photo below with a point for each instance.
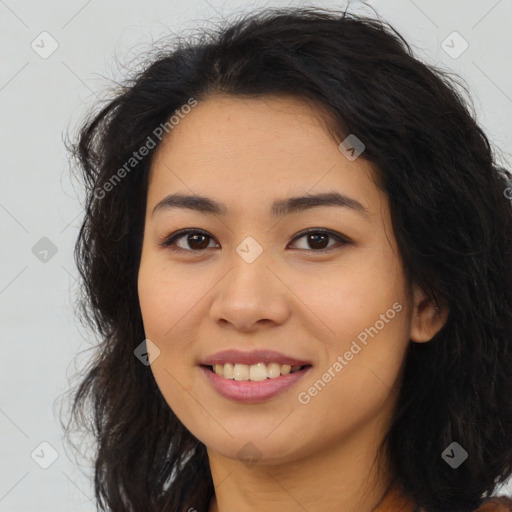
(314, 236)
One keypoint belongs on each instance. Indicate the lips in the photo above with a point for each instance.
(253, 357)
(248, 392)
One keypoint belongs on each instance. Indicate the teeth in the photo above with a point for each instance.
(256, 372)
(253, 372)
(273, 370)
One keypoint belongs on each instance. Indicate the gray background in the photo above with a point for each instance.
(40, 98)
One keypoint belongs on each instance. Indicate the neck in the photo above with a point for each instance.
(341, 477)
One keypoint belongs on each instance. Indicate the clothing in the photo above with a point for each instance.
(395, 501)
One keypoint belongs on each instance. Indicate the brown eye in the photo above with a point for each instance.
(317, 240)
(196, 241)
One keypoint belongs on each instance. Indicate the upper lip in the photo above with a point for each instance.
(253, 357)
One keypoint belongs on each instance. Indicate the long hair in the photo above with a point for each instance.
(451, 215)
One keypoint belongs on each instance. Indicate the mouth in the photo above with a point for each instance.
(240, 387)
(254, 376)
(254, 372)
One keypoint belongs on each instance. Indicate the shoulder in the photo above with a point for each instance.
(395, 500)
(496, 504)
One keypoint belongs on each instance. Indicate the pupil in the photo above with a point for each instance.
(194, 237)
(315, 239)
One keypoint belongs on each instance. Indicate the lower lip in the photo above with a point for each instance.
(251, 392)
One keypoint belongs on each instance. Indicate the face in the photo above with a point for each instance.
(248, 278)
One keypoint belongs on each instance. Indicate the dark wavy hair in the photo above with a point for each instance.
(451, 216)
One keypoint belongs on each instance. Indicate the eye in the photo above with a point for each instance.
(317, 238)
(195, 237)
(198, 240)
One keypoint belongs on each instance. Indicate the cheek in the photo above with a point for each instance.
(164, 303)
(152, 301)
(346, 299)
(166, 295)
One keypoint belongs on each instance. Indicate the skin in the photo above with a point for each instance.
(293, 298)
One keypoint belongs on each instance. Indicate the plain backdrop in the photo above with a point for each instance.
(57, 59)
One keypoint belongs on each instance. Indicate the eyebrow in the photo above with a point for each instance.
(279, 207)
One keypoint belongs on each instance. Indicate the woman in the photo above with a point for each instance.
(297, 251)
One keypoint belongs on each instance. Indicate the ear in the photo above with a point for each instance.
(428, 317)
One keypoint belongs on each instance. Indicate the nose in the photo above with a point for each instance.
(251, 294)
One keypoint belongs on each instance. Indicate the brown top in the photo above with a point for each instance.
(395, 501)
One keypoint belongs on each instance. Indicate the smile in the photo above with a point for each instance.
(254, 372)
(243, 389)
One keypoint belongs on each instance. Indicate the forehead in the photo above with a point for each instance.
(249, 149)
